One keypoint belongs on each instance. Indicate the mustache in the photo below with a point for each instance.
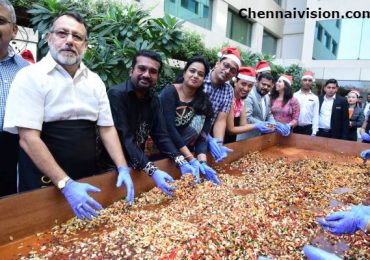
(69, 49)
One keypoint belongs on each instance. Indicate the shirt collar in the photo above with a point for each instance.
(328, 99)
(301, 92)
(49, 64)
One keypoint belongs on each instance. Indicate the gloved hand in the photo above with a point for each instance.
(314, 253)
(209, 173)
(263, 127)
(124, 177)
(365, 137)
(196, 165)
(218, 151)
(365, 155)
(160, 178)
(82, 204)
(283, 129)
(189, 168)
(347, 222)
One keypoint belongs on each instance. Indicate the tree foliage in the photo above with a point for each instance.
(116, 33)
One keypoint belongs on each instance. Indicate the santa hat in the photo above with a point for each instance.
(231, 53)
(263, 66)
(287, 78)
(308, 75)
(247, 73)
(28, 56)
(356, 92)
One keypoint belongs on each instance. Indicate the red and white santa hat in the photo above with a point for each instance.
(308, 75)
(231, 53)
(287, 78)
(28, 56)
(247, 73)
(263, 66)
(356, 92)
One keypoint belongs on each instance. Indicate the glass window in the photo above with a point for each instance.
(327, 40)
(334, 47)
(319, 31)
(269, 43)
(342, 39)
(191, 5)
(198, 12)
(238, 29)
(278, 2)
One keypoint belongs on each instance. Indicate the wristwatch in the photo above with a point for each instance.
(62, 183)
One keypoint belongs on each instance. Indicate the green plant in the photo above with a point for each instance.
(116, 33)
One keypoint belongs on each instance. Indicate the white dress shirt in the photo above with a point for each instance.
(367, 108)
(325, 112)
(309, 110)
(45, 92)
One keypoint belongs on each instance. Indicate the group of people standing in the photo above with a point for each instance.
(57, 109)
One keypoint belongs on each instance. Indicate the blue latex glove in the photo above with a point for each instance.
(263, 127)
(283, 129)
(160, 178)
(209, 173)
(218, 151)
(188, 168)
(82, 204)
(365, 155)
(196, 165)
(314, 253)
(365, 137)
(124, 177)
(347, 222)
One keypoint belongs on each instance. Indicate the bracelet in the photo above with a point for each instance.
(180, 160)
(189, 156)
(150, 168)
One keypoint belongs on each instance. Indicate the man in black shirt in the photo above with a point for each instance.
(137, 113)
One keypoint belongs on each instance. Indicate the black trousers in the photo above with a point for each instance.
(303, 130)
(324, 133)
(9, 149)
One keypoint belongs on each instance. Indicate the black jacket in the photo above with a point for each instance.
(136, 119)
(357, 120)
(339, 123)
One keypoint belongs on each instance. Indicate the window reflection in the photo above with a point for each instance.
(339, 39)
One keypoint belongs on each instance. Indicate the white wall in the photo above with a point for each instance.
(25, 39)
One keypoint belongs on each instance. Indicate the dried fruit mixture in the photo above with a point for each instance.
(264, 207)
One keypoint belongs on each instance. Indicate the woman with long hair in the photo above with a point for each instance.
(237, 118)
(356, 114)
(188, 114)
(284, 107)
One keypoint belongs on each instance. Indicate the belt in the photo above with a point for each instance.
(325, 130)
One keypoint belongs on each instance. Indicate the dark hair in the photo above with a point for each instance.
(265, 75)
(149, 54)
(201, 104)
(331, 81)
(288, 93)
(73, 15)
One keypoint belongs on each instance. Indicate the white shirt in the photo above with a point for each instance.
(325, 112)
(309, 109)
(367, 108)
(263, 105)
(45, 92)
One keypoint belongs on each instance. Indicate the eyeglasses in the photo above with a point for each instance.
(64, 34)
(227, 66)
(4, 21)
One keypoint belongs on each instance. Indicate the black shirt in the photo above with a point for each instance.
(137, 118)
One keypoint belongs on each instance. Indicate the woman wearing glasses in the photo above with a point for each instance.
(188, 114)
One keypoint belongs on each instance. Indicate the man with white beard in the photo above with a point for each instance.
(56, 106)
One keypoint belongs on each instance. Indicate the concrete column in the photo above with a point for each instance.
(219, 17)
(257, 37)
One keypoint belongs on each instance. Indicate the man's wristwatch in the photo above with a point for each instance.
(62, 183)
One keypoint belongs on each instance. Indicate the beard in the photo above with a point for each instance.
(61, 58)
